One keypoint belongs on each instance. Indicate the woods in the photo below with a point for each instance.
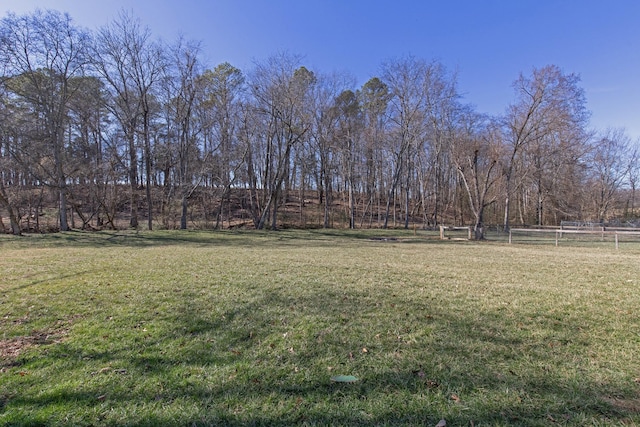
(110, 128)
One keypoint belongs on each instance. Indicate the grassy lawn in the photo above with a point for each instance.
(248, 328)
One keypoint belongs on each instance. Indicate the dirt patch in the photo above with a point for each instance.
(630, 406)
(11, 348)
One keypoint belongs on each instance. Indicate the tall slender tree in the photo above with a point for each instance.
(182, 83)
(548, 103)
(375, 101)
(349, 140)
(41, 54)
(610, 166)
(224, 89)
(476, 153)
(131, 63)
(280, 88)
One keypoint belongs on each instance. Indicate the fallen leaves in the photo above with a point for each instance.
(431, 383)
(11, 348)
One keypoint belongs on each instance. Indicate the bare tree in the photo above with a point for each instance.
(280, 90)
(72, 136)
(131, 63)
(7, 170)
(224, 87)
(42, 54)
(85, 142)
(8, 167)
(476, 152)
(323, 137)
(422, 110)
(405, 79)
(442, 108)
(548, 103)
(182, 82)
(610, 166)
(349, 138)
(375, 101)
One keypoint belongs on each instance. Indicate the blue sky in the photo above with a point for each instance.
(488, 42)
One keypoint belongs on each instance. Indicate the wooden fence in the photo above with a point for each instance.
(559, 232)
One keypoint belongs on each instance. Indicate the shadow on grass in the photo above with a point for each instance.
(235, 368)
(47, 280)
(253, 238)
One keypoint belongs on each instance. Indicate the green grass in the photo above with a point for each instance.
(247, 328)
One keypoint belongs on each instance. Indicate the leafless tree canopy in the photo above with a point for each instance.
(104, 129)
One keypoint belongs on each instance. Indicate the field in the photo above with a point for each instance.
(252, 328)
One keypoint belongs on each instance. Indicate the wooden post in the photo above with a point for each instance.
(617, 241)
(442, 232)
(509, 236)
(556, 238)
(469, 237)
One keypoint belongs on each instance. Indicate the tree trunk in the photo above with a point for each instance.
(64, 224)
(147, 154)
(407, 213)
(507, 204)
(58, 136)
(478, 229)
(265, 213)
(387, 211)
(274, 218)
(183, 215)
(392, 192)
(13, 218)
(133, 182)
(254, 205)
(352, 208)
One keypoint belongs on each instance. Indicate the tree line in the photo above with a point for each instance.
(112, 123)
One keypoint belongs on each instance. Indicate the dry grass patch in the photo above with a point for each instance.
(11, 348)
(628, 405)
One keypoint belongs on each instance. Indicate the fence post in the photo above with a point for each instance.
(617, 241)
(442, 232)
(509, 236)
(556, 238)
(469, 236)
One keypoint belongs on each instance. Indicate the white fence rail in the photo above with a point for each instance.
(616, 233)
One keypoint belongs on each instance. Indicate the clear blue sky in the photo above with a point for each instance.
(489, 42)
